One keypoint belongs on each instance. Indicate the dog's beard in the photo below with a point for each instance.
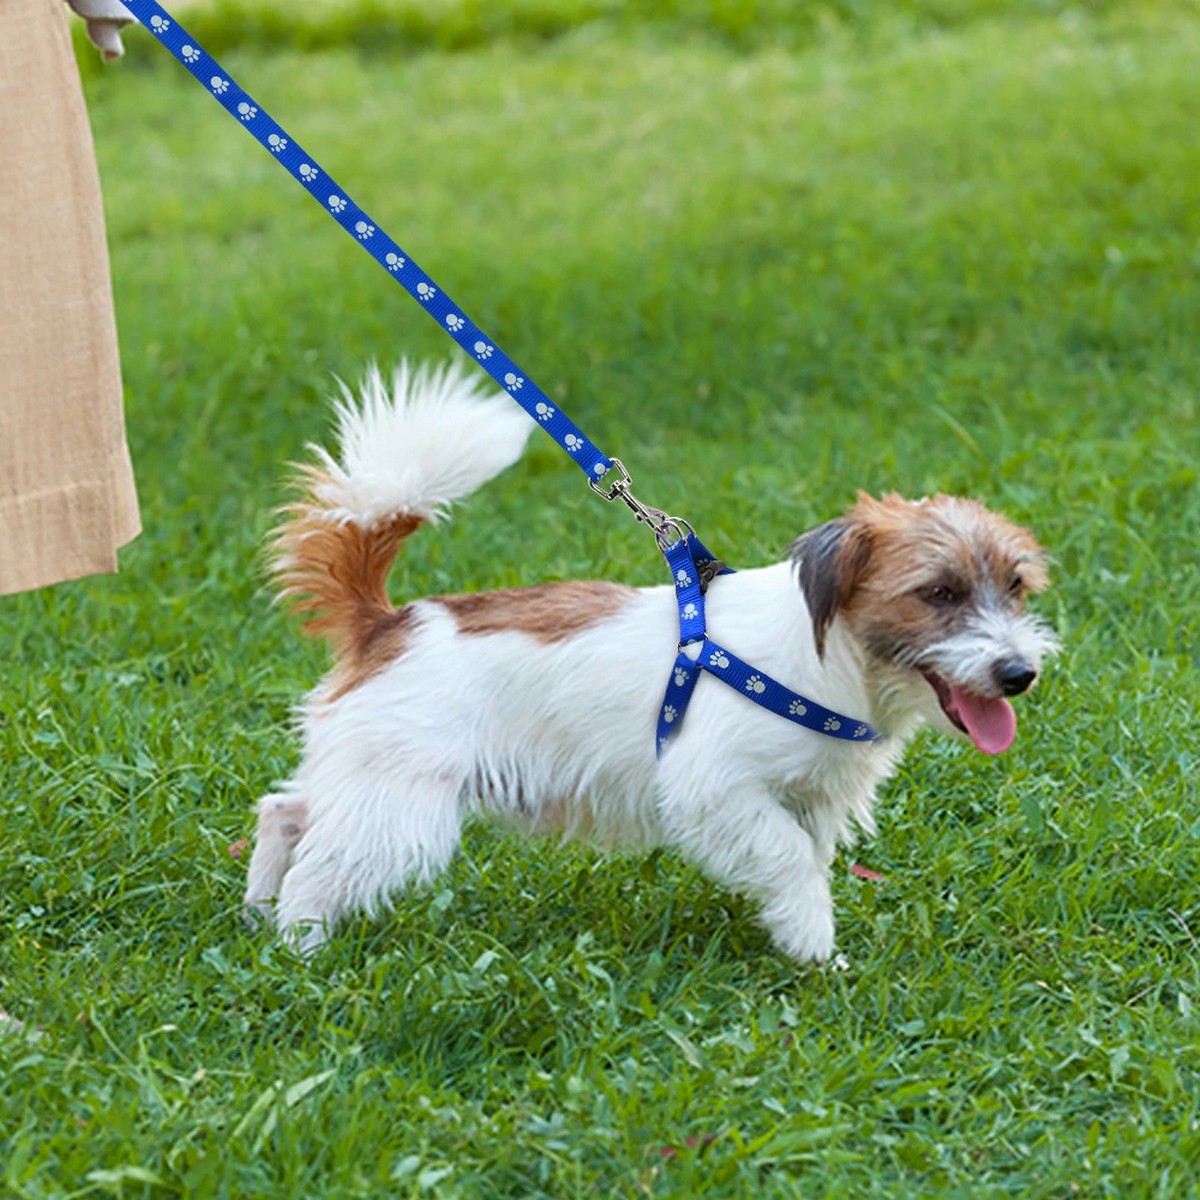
(959, 670)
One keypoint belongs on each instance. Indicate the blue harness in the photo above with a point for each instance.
(692, 566)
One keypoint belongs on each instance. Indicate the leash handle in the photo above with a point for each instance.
(367, 233)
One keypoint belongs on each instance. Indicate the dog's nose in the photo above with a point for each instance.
(1014, 676)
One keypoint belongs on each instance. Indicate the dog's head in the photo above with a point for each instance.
(934, 589)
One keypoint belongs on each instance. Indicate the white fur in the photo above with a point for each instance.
(560, 737)
(992, 634)
(431, 438)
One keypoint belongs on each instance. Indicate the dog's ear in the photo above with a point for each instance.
(830, 562)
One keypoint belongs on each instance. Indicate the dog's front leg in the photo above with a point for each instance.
(745, 839)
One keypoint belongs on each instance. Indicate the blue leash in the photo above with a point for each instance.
(325, 190)
(692, 566)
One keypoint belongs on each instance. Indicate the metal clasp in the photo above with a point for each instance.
(662, 524)
(619, 487)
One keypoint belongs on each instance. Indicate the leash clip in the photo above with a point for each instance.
(667, 529)
(619, 486)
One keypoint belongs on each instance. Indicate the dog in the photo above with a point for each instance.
(536, 707)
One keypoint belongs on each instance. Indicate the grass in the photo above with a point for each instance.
(952, 247)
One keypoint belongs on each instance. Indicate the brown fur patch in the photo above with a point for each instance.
(384, 643)
(911, 540)
(548, 612)
(334, 572)
(944, 542)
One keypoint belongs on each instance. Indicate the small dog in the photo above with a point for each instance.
(537, 706)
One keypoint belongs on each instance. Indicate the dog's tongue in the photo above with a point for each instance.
(992, 724)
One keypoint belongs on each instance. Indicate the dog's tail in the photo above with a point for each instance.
(407, 452)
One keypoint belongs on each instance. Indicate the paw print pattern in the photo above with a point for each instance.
(682, 578)
(219, 86)
(190, 53)
(680, 677)
(544, 411)
(336, 203)
(426, 292)
(755, 684)
(573, 443)
(797, 708)
(364, 230)
(247, 111)
(513, 382)
(860, 731)
(690, 612)
(160, 25)
(669, 714)
(454, 322)
(308, 173)
(393, 261)
(717, 659)
(832, 725)
(484, 351)
(278, 144)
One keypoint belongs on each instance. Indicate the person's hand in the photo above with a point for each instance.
(104, 21)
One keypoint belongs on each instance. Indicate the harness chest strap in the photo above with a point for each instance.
(688, 559)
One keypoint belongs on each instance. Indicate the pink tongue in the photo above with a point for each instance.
(992, 724)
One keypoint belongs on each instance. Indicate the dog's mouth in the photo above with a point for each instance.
(989, 721)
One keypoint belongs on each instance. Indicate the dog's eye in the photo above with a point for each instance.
(941, 595)
(1016, 585)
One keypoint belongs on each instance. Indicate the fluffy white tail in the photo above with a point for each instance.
(407, 452)
(432, 437)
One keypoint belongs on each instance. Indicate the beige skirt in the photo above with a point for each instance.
(66, 487)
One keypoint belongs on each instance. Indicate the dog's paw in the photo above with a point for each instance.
(809, 946)
(258, 913)
(801, 924)
(304, 937)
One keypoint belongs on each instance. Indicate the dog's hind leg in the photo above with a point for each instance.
(282, 822)
(747, 841)
(361, 848)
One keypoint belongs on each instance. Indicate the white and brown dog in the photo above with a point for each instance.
(536, 707)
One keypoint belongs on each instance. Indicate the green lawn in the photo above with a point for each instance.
(767, 258)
